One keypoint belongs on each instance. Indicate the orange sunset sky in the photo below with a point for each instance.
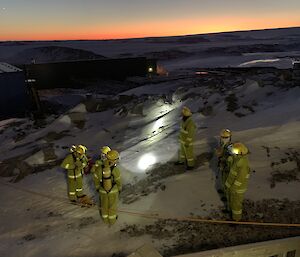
(91, 19)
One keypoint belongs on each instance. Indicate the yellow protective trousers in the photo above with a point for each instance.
(108, 204)
(74, 185)
(186, 154)
(235, 203)
(224, 176)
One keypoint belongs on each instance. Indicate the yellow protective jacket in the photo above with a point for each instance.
(187, 132)
(96, 171)
(68, 163)
(76, 164)
(237, 180)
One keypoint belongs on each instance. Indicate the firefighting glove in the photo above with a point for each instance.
(219, 152)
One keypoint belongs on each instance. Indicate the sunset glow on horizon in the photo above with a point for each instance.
(96, 20)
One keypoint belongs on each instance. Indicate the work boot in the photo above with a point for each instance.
(225, 211)
(220, 191)
(223, 199)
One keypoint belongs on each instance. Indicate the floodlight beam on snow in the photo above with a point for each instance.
(146, 161)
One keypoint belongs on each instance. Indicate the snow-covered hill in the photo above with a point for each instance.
(249, 48)
(51, 54)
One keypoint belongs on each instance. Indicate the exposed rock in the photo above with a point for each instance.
(138, 109)
(156, 174)
(49, 153)
(192, 236)
(232, 102)
(207, 110)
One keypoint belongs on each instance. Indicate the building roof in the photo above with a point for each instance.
(5, 67)
(296, 65)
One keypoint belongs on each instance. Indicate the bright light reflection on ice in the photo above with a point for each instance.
(159, 123)
(146, 161)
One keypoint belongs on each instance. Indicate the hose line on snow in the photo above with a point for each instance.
(156, 215)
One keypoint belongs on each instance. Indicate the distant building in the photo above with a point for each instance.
(80, 73)
(296, 73)
(13, 98)
(296, 68)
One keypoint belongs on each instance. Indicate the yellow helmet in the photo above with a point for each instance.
(239, 149)
(73, 149)
(186, 112)
(113, 155)
(81, 149)
(225, 133)
(105, 149)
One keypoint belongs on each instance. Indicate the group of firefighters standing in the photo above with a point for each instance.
(233, 164)
(233, 168)
(106, 176)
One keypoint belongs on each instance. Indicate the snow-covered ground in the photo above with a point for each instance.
(43, 222)
(143, 123)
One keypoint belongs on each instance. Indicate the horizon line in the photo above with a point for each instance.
(144, 37)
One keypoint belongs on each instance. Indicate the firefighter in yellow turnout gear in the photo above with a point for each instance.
(96, 169)
(186, 139)
(237, 180)
(109, 181)
(74, 163)
(222, 154)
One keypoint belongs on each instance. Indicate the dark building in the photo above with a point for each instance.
(14, 99)
(296, 70)
(78, 73)
(296, 73)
